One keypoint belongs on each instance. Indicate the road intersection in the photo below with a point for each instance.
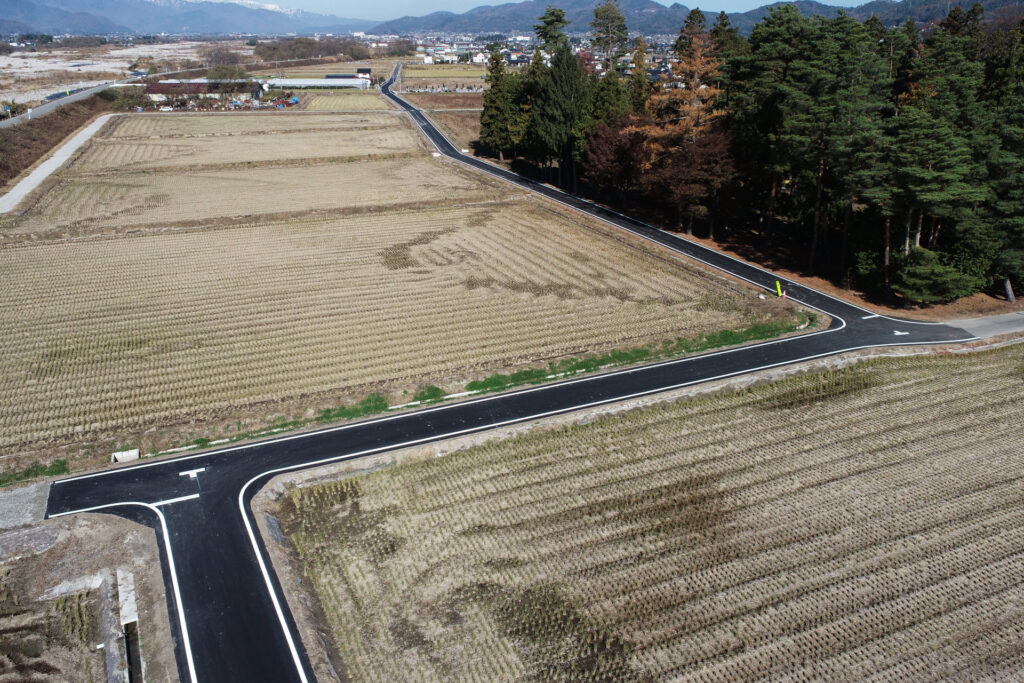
(227, 610)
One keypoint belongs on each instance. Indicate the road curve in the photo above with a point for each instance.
(226, 608)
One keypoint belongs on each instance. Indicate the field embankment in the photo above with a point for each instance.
(21, 146)
(831, 526)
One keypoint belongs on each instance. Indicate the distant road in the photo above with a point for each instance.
(228, 614)
(46, 108)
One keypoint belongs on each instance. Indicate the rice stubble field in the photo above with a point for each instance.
(864, 523)
(347, 100)
(203, 276)
(457, 114)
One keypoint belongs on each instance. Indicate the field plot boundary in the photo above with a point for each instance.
(711, 387)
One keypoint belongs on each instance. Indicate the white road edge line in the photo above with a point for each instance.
(448, 435)
(170, 561)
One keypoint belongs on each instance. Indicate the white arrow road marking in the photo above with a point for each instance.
(192, 474)
(899, 334)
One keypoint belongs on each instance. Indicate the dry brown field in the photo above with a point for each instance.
(210, 275)
(447, 100)
(342, 100)
(442, 71)
(131, 144)
(461, 127)
(168, 171)
(862, 524)
(440, 76)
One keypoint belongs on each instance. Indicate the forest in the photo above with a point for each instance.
(890, 160)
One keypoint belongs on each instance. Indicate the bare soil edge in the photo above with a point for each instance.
(312, 624)
(69, 549)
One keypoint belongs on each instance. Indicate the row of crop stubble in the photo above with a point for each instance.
(114, 336)
(243, 166)
(864, 522)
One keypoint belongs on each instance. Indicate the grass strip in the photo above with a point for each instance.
(639, 354)
(56, 468)
(377, 403)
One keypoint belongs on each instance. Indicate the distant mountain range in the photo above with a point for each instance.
(107, 17)
(652, 18)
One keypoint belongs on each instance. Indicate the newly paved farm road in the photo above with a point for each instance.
(225, 603)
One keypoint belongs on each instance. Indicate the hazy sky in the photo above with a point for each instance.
(392, 9)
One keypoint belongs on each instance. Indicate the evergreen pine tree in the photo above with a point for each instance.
(695, 23)
(727, 39)
(610, 32)
(496, 121)
(611, 100)
(550, 28)
(761, 85)
(561, 111)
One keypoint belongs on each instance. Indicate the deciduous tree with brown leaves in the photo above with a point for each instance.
(688, 146)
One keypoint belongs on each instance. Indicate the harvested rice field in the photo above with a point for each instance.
(442, 71)
(205, 277)
(127, 145)
(419, 77)
(149, 172)
(860, 524)
(340, 100)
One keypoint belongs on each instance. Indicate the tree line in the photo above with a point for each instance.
(887, 159)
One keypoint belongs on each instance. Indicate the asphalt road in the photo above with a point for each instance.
(229, 621)
(53, 105)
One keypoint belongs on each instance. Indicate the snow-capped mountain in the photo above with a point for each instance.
(172, 17)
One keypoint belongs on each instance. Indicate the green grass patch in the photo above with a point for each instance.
(378, 403)
(429, 394)
(54, 469)
(639, 354)
(374, 403)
